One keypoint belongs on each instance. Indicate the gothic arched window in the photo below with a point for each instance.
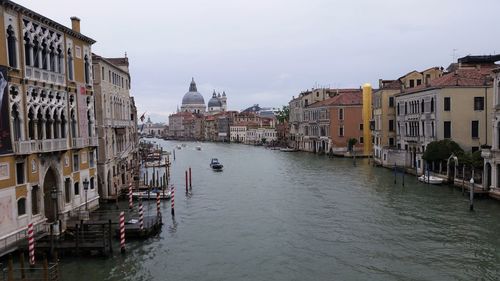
(87, 69)
(70, 65)
(36, 53)
(11, 45)
(27, 50)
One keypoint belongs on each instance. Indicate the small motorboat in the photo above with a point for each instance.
(216, 165)
(151, 195)
(183, 145)
(430, 179)
(178, 146)
(288, 149)
(198, 147)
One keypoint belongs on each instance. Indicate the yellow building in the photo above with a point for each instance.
(453, 106)
(384, 118)
(48, 140)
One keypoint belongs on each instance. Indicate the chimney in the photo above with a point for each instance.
(75, 24)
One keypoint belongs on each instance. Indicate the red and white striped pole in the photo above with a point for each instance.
(122, 232)
(130, 199)
(172, 200)
(31, 244)
(141, 216)
(158, 203)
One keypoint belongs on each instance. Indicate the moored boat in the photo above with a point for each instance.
(198, 147)
(288, 149)
(151, 195)
(430, 179)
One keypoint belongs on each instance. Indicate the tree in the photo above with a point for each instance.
(441, 150)
(351, 143)
(283, 114)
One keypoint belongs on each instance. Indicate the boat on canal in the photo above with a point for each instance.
(178, 146)
(151, 195)
(198, 147)
(288, 149)
(430, 179)
(216, 165)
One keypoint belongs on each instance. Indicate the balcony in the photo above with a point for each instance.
(26, 147)
(44, 75)
(79, 142)
(36, 146)
(93, 141)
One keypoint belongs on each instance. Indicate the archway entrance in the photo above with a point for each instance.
(49, 183)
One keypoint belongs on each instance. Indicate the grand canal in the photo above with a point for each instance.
(272, 215)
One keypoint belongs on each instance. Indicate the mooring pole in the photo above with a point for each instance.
(395, 173)
(122, 232)
(471, 193)
(190, 186)
(172, 201)
(186, 182)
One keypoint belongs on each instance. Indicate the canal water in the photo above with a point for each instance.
(272, 215)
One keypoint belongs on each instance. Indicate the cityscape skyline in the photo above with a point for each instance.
(285, 52)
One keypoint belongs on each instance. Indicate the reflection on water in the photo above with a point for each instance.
(296, 216)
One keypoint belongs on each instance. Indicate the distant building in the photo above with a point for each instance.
(156, 130)
(116, 116)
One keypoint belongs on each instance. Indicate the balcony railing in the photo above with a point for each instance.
(44, 75)
(36, 146)
(93, 141)
(79, 142)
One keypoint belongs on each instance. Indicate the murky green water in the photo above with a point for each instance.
(296, 216)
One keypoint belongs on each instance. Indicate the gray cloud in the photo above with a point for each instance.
(267, 51)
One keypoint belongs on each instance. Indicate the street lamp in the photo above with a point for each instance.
(86, 188)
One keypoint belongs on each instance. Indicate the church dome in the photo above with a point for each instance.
(193, 97)
(214, 101)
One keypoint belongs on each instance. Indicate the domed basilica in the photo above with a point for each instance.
(194, 102)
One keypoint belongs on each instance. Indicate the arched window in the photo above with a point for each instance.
(31, 125)
(52, 58)
(56, 126)
(63, 126)
(45, 52)
(398, 110)
(11, 45)
(60, 60)
(36, 52)
(48, 125)
(21, 206)
(27, 50)
(87, 69)
(406, 108)
(34, 199)
(432, 104)
(73, 124)
(422, 107)
(70, 65)
(16, 123)
(89, 123)
(39, 118)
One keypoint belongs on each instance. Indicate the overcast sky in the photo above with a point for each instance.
(266, 51)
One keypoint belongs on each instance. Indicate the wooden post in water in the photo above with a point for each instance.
(31, 244)
(45, 268)
(403, 176)
(395, 173)
(186, 182)
(21, 261)
(190, 186)
(110, 236)
(10, 269)
(174, 154)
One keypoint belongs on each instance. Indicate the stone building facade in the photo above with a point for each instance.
(48, 170)
(117, 119)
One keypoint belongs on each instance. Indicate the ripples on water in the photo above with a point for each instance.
(297, 216)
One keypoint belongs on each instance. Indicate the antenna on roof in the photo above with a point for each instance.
(454, 54)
